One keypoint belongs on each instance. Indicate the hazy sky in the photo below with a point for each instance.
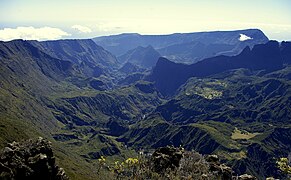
(54, 19)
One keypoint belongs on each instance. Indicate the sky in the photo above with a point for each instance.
(64, 19)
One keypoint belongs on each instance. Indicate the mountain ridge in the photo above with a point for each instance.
(185, 47)
(92, 59)
(265, 57)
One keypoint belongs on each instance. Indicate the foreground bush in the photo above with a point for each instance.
(171, 163)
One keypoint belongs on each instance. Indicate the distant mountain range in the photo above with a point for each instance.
(186, 47)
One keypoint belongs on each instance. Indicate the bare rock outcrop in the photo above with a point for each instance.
(166, 158)
(31, 159)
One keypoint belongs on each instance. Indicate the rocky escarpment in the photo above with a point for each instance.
(191, 165)
(32, 159)
(166, 157)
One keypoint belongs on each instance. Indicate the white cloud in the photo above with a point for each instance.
(31, 33)
(82, 29)
(244, 37)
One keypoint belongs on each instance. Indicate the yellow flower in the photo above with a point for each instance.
(283, 165)
(101, 160)
(131, 161)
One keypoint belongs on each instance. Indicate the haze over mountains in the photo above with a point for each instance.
(225, 93)
(186, 47)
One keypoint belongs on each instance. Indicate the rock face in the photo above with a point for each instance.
(32, 159)
(222, 170)
(166, 157)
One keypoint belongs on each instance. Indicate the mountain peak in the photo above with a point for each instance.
(150, 47)
(163, 61)
(145, 57)
(246, 50)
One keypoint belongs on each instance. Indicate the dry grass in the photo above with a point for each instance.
(238, 134)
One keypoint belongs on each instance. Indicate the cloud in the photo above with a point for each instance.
(244, 37)
(82, 29)
(31, 33)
